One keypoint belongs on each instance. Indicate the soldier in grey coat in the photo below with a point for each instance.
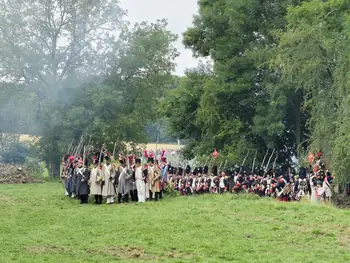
(74, 179)
(83, 175)
(124, 182)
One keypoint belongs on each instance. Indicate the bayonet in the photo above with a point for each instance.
(268, 163)
(256, 152)
(262, 164)
(245, 158)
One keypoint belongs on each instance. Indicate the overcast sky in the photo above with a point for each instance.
(179, 15)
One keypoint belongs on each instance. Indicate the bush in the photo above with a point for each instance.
(169, 190)
(34, 166)
(16, 154)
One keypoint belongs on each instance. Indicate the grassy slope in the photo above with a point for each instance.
(38, 224)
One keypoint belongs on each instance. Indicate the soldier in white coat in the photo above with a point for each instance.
(140, 182)
(108, 176)
(96, 182)
(327, 185)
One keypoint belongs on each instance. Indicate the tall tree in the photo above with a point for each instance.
(117, 106)
(88, 72)
(181, 105)
(48, 44)
(313, 54)
(234, 107)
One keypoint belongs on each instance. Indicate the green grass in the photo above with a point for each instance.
(39, 224)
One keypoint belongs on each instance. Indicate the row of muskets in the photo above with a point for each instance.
(85, 146)
(175, 159)
(83, 149)
(211, 161)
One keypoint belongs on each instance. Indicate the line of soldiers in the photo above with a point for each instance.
(148, 180)
(104, 180)
(314, 183)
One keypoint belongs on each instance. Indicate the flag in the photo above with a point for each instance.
(215, 153)
(310, 157)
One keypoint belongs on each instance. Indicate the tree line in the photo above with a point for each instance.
(279, 81)
(78, 67)
(277, 78)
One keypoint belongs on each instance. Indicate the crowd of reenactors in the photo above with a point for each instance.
(311, 182)
(145, 178)
(134, 179)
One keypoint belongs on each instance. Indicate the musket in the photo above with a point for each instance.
(84, 152)
(245, 158)
(210, 162)
(274, 162)
(262, 164)
(75, 149)
(88, 144)
(82, 169)
(81, 147)
(115, 144)
(70, 146)
(78, 149)
(225, 163)
(99, 158)
(219, 167)
(127, 161)
(256, 152)
(268, 163)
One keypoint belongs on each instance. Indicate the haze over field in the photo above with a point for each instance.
(179, 14)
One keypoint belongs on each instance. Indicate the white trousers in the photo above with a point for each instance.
(147, 191)
(141, 190)
(110, 199)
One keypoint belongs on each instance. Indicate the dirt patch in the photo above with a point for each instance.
(121, 252)
(6, 199)
(138, 253)
(14, 174)
(125, 252)
(344, 237)
(341, 201)
(46, 249)
(177, 254)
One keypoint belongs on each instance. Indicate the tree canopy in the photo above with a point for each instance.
(279, 80)
(82, 70)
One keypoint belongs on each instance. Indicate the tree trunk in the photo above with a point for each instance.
(297, 124)
(297, 112)
(55, 166)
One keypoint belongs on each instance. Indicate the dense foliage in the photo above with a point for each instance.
(279, 80)
(76, 67)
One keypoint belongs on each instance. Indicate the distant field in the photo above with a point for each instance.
(27, 138)
(39, 224)
(150, 146)
(153, 146)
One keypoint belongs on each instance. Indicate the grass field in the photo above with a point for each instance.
(39, 224)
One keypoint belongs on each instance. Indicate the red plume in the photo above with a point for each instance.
(319, 154)
(163, 152)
